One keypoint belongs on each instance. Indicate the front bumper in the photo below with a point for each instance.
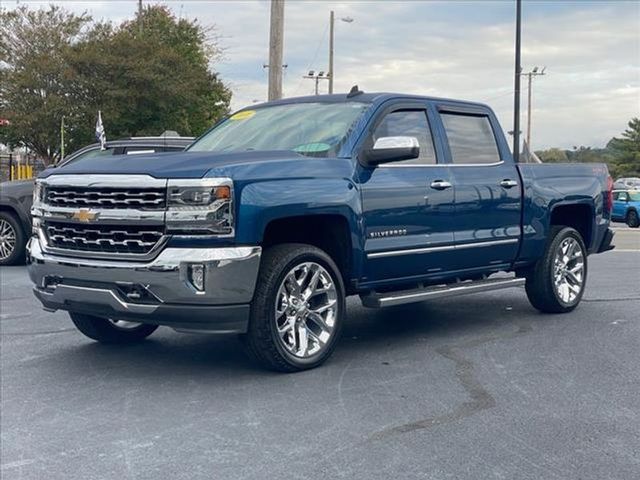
(158, 292)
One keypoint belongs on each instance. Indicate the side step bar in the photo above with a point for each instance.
(387, 299)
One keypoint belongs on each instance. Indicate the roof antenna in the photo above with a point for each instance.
(355, 91)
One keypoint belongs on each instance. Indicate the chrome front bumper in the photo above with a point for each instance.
(157, 292)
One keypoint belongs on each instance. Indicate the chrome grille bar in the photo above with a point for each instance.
(106, 216)
(103, 238)
(81, 197)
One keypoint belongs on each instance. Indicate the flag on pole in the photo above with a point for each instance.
(100, 136)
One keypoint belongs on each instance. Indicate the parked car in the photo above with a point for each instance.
(629, 182)
(269, 220)
(16, 196)
(626, 207)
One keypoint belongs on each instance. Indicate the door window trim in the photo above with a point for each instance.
(468, 111)
(399, 106)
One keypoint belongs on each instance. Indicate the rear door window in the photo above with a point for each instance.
(471, 139)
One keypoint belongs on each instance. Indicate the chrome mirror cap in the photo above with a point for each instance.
(391, 149)
(385, 143)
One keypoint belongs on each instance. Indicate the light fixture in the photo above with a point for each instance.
(196, 276)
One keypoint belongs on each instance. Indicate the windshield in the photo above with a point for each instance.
(315, 129)
(91, 153)
(634, 196)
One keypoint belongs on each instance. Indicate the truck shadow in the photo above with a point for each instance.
(367, 332)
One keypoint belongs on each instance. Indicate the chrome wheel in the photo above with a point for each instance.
(123, 324)
(7, 239)
(568, 270)
(306, 309)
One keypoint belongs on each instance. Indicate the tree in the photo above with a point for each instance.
(34, 76)
(552, 155)
(146, 75)
(626, 151)
(151, 74)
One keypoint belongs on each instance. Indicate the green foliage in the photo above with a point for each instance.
(34, 75)
(553, 155)
(626, 150)
(622, 155)
(147, 75)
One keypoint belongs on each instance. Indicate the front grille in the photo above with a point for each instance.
(119, 239)
(106, 197)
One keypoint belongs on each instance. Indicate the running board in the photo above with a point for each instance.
(387, 299)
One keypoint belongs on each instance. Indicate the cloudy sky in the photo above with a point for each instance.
(449, 48)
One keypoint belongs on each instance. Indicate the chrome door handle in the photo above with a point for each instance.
(507, 183)
(440, 185)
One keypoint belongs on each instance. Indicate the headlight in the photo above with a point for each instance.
(200, 206)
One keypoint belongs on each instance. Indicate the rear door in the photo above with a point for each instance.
(406, 222)
(487, 215)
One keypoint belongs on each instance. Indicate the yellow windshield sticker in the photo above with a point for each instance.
(243, 115)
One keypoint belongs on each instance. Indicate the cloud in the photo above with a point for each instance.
(449, 49)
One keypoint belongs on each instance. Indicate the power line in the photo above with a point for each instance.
(315, 57)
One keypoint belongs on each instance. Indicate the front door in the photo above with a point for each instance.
(488, 191)
(620, 200)
(406, 221)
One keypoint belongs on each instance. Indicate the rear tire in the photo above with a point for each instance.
(104, 330)
(286, 333)
(12, 239)
(557, 281)
(632, 219)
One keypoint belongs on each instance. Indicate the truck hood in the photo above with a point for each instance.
(172, 165)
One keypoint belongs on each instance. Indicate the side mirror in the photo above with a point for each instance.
(392, 149)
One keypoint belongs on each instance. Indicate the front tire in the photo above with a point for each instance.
(298, 308)
(12, 239)
(632, 219)
(105, 330)
(556, 283)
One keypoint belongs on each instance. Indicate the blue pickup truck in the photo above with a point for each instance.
(282, 210)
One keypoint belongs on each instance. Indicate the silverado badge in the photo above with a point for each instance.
(84, 215)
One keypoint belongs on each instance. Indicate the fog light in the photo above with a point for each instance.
(196, 276)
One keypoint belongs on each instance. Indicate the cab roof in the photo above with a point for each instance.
(364, 97)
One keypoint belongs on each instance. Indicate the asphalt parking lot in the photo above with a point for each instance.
(478, 387)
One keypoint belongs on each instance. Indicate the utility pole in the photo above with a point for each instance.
(533, 73)
(276, 46)
(317, 77)
(516, 97)
(331, 36)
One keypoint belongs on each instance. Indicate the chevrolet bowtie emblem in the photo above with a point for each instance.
(84, 215)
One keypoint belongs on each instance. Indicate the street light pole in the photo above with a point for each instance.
(332, 23)
(530, 75)
(317, 77)
(516, 96)
(331, 36)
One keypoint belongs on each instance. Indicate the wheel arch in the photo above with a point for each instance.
(25, 222)
(330, 232)
(579, 216)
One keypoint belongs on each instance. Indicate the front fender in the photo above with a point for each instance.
(265, 201)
